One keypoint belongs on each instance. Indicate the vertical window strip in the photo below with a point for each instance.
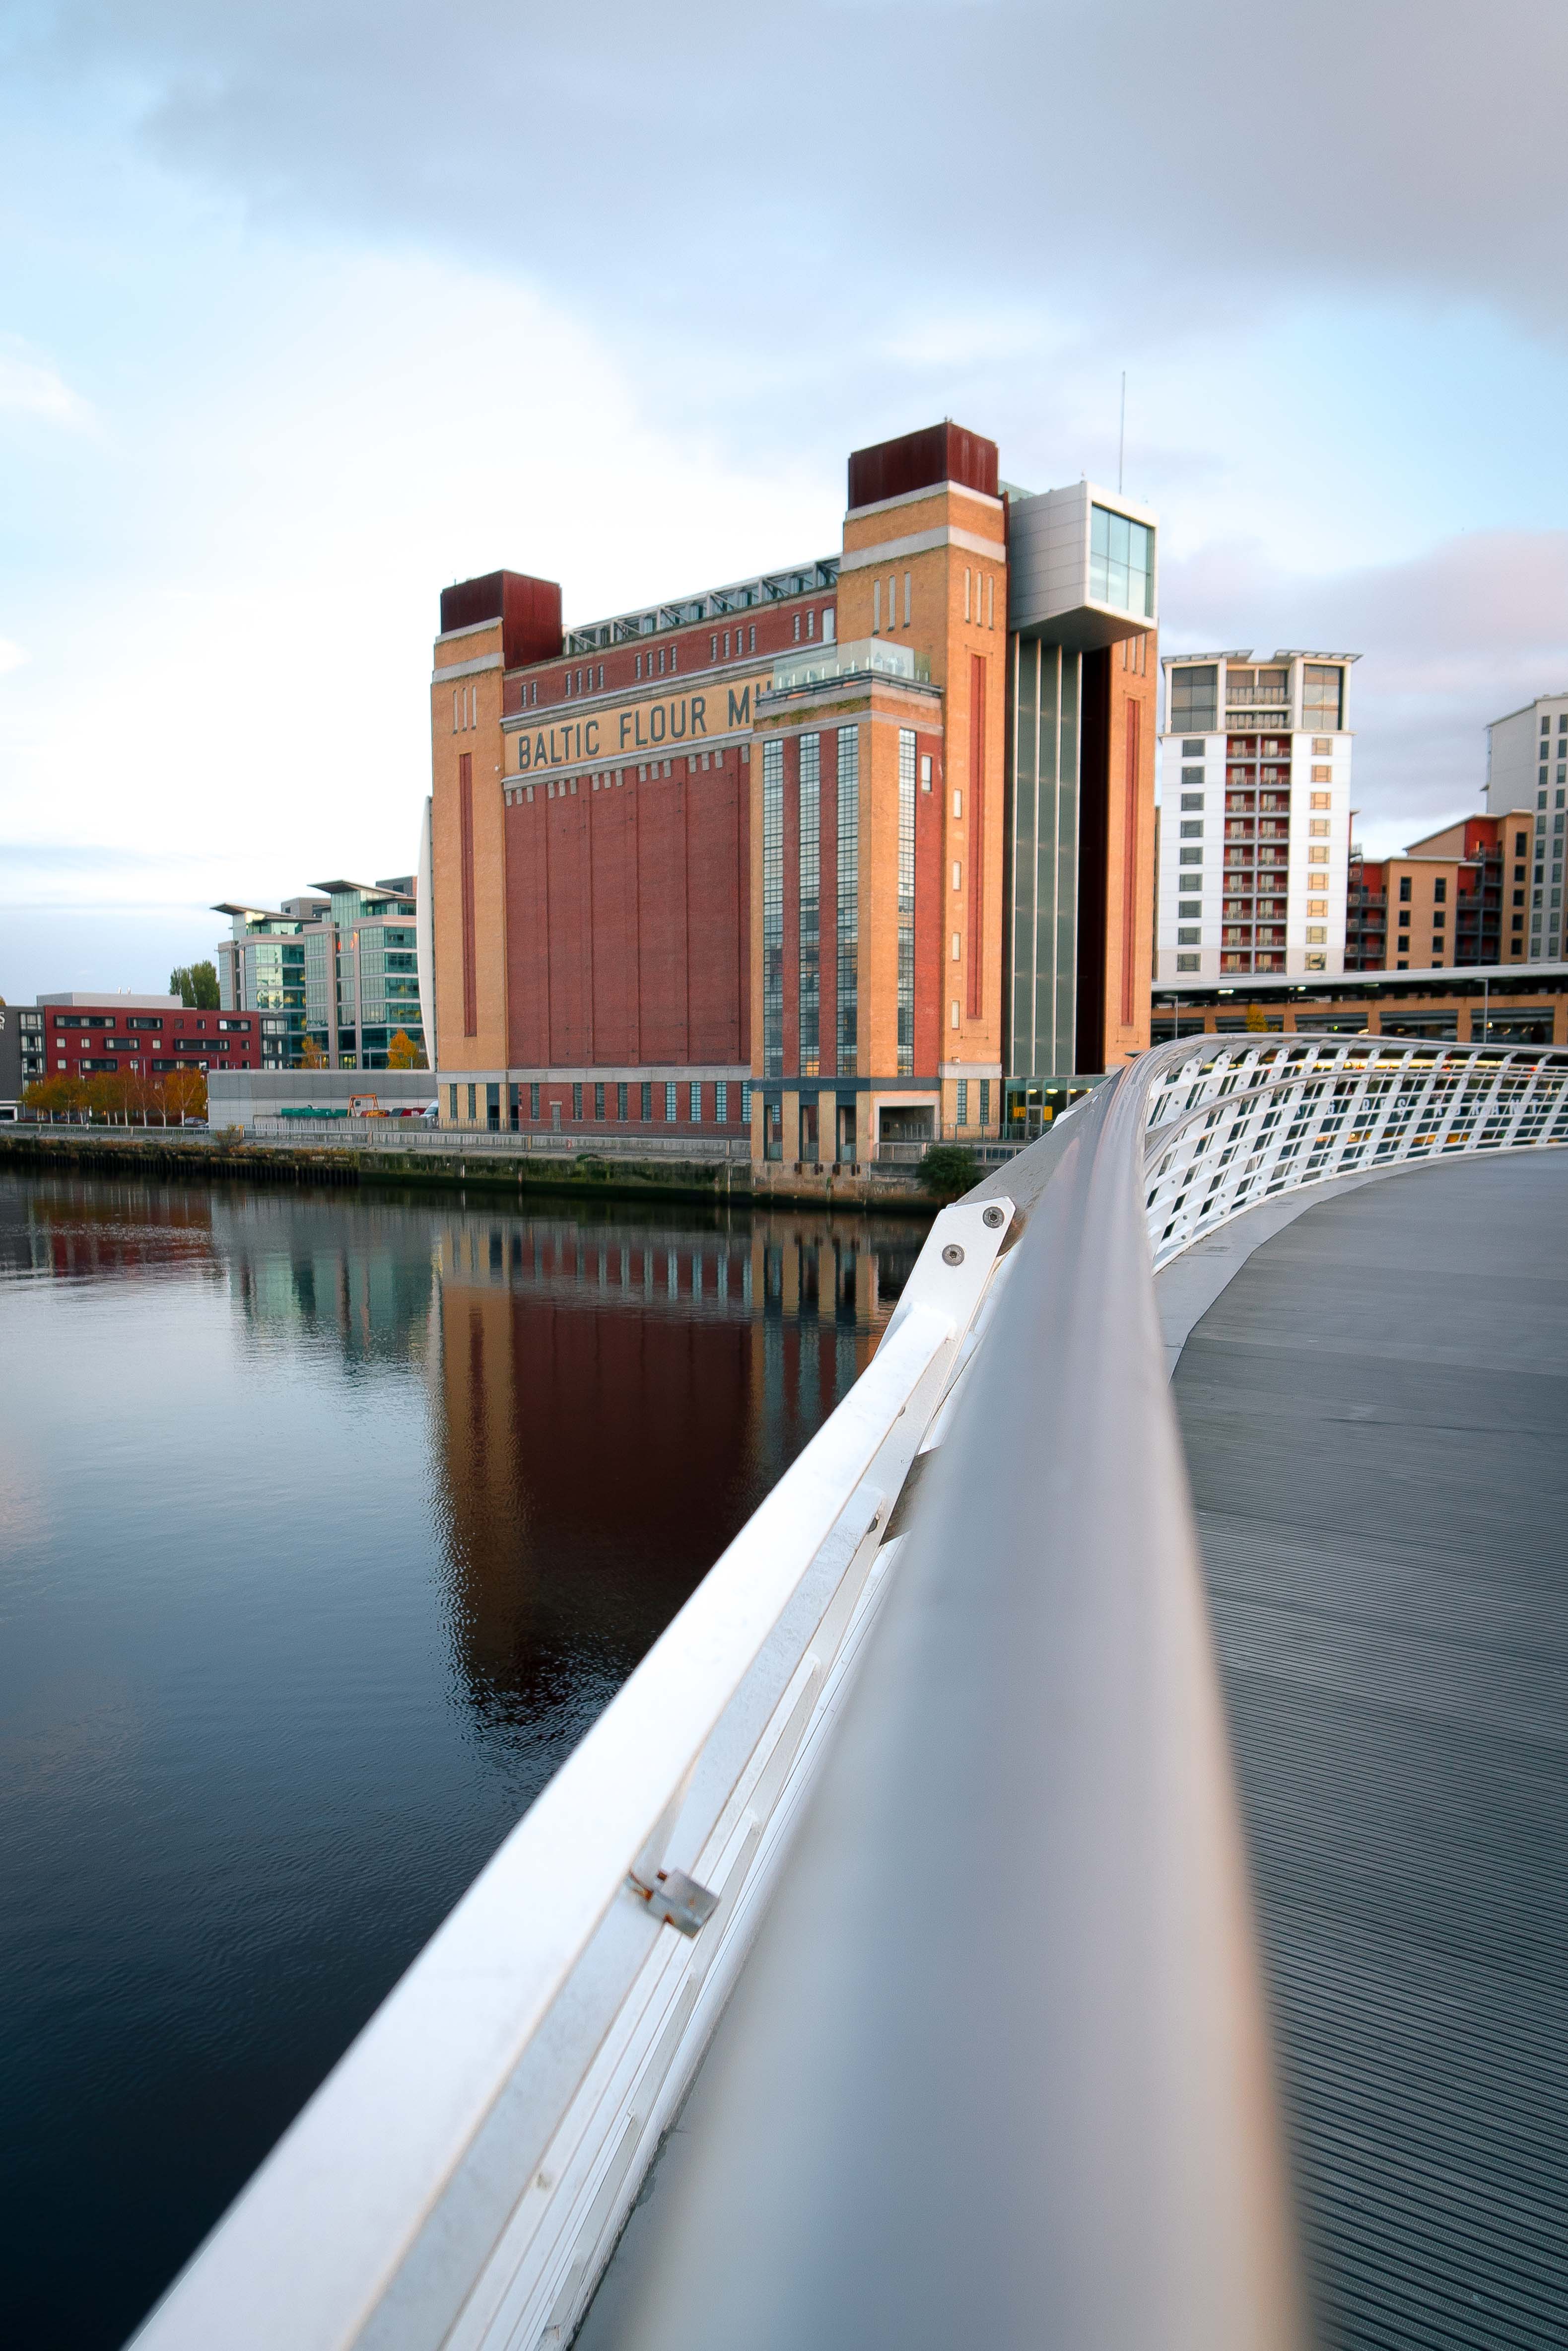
(772, 909)
(810, 904)
(906, 901)
(848, 899)
(876, 607)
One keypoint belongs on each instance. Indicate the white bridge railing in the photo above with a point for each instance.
(1000, 2046)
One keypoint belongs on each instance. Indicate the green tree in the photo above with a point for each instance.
(196, 985)
(402, 1053)
(947, 1171)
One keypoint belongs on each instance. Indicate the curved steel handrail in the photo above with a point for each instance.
(998, 2070)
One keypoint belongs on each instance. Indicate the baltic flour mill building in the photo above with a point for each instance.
(854, 851)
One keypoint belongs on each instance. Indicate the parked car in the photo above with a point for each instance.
(195, 1121)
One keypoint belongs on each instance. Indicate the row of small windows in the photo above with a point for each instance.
(608, 779)
(1562, 723)
(464, 708)
(604, 1092)
(722, 637)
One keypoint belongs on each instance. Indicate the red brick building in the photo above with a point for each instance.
(858, 851)
(85, 1036)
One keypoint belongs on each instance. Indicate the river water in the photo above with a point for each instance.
(327, 1524)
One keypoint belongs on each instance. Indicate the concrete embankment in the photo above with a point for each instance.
(219, 1157)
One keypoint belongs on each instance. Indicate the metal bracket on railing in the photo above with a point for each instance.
(676, 1899)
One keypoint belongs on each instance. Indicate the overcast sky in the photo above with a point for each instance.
(308, 310)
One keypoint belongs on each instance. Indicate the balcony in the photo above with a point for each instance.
(862, 656)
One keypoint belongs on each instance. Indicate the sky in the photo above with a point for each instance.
(306, 310)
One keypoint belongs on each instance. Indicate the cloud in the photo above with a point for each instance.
(1451, 639)
(12, 656)
(704, 171)
(31, 388)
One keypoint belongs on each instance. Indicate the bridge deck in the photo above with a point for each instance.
(1375, 1415)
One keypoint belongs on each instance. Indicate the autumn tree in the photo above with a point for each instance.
(1255, 1017)
(402, 1053)
(51, 1098)
(185, 1095)
(312, 1053)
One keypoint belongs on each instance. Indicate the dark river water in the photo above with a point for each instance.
(327, 1524)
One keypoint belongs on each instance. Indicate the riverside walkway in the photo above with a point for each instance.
(1375, 1414)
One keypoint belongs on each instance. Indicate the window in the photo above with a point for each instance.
(1193, 800)
(1321, 745)
(1190, 776)
(1404, 918)
(670, 1113)
(1121, 563)
(1189, 909)
(848, 904)
(958, 806)
(1193, 750)
(960, 1107)
(745, 1102)
(721, 1103)
(1438, 918)
(1187, 962)
(696, 1104)
(1186, 938)
(577, 1101)
(907, 607)
(1441, 890)
(534, 1104)
(1190, 857)
(599, 1100)
(877, 603)
(1192, 828)
(1404, 886)
(773, 910)
(925, 771)
(810, 923)
(1195, 698)
(473, 1106)
(1316, 936)
(958, 946)
(648, 1105)
(1318, 827)
(620, 1102)
(958, 874)
(1323, 695)
(907, 902)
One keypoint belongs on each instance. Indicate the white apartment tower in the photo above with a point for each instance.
(1254, 814)
(1526, 753)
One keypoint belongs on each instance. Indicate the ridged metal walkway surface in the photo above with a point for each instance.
(1375, 1415)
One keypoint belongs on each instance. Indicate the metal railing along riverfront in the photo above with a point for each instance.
(921, 1814)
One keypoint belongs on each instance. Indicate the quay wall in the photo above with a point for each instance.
(219, 1157)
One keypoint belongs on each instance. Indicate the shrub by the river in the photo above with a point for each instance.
(947, 1171)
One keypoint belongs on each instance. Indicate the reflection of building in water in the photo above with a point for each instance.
(356, 1267)
(614, 1401)
(85, 1229)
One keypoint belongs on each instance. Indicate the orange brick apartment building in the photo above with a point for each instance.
(855, 851)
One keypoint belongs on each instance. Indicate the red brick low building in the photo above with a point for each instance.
(90, 1036)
